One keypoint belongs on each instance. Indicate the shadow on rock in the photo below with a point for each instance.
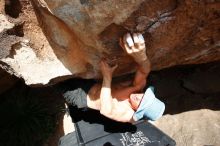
(187, 88)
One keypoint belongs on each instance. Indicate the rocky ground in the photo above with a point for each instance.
(192, 97)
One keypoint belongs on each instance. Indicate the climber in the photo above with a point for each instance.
(117, 101)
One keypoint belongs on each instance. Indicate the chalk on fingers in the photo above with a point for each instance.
(129, 41)
(135, 37)
(141, 38)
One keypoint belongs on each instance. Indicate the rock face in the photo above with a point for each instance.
(191, 95)
(81, 32)
(24, 50)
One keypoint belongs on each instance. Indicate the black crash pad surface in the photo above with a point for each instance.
(93, 129)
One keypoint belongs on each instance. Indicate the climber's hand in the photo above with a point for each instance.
(134, 46)
(106, 69)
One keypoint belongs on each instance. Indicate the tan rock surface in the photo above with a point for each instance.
(81, 32)
(191, 95)
(192, 128)
(24, 50)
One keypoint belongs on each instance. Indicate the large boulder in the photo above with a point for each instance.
(81, 32)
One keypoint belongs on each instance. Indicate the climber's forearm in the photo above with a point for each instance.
(106, 97)
(141, 74)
